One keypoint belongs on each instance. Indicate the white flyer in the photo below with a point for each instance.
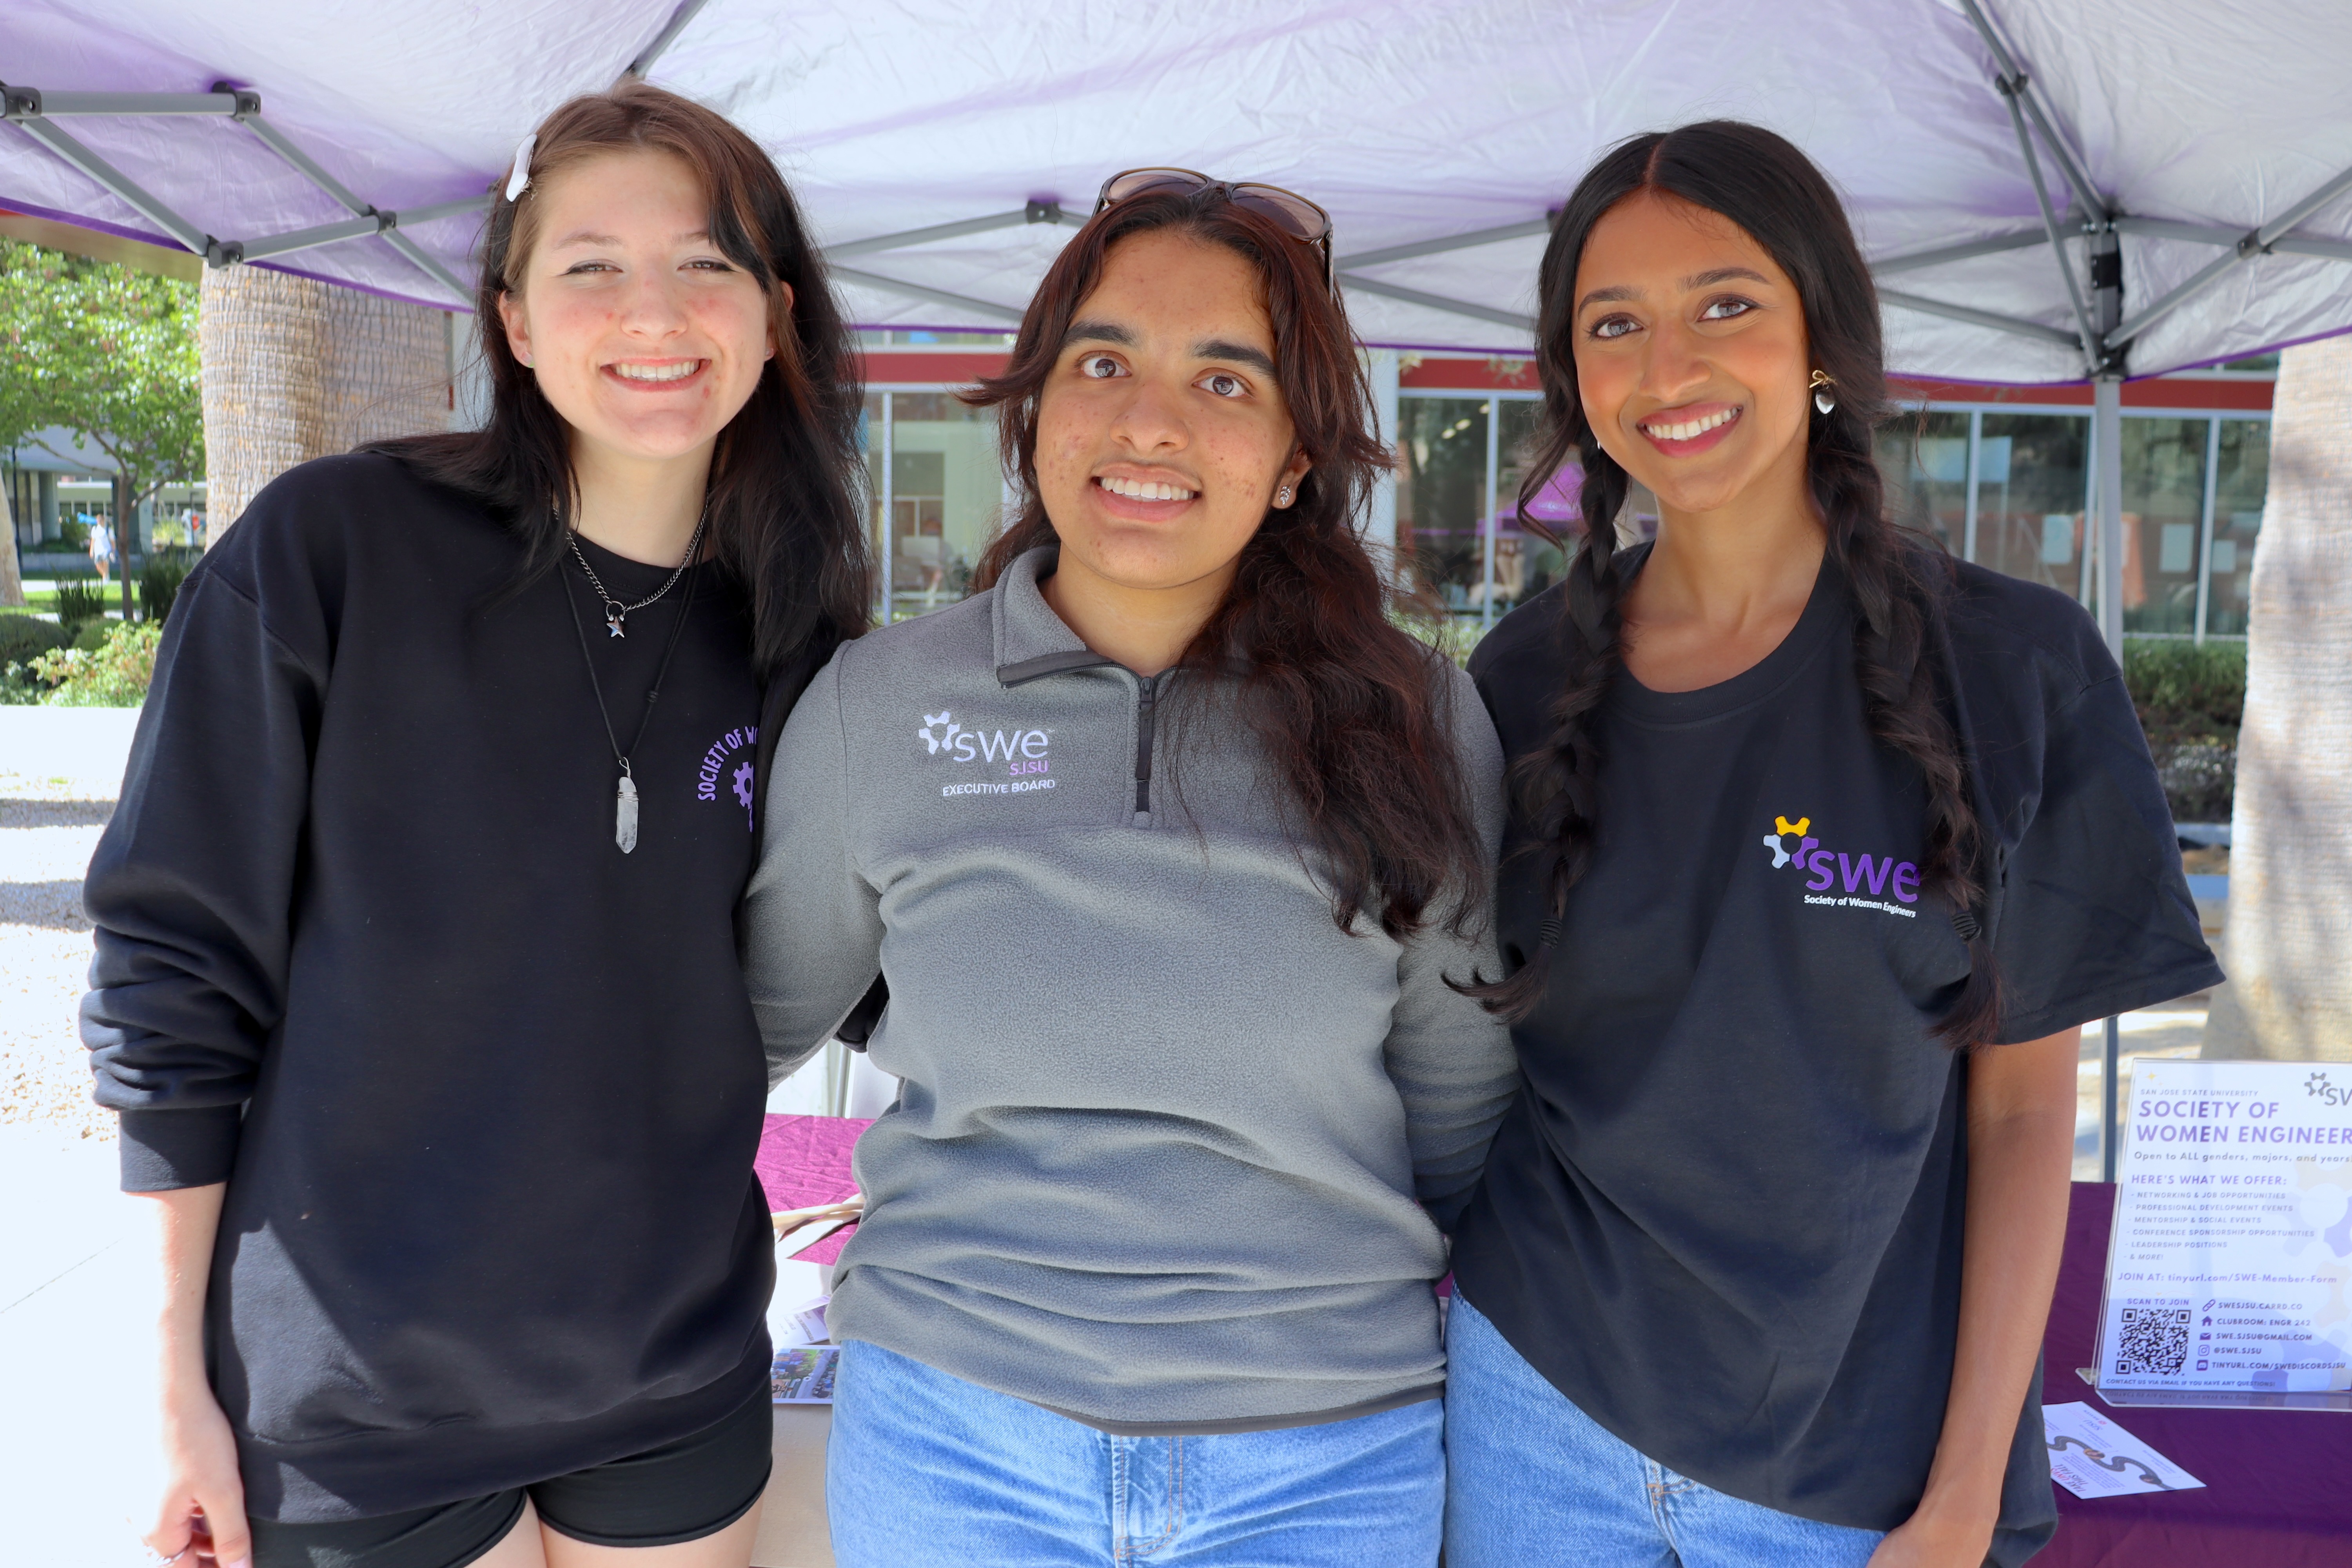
(2089, 1455)
(2230, 1269)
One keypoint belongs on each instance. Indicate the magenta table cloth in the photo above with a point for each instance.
(803, 1161)
(2278, 1483)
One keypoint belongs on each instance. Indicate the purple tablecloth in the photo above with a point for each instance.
(803, 1161)
(2278, 1483)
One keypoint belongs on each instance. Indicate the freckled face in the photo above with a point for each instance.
(1691, 354)
(642, 333)
(1163, 433)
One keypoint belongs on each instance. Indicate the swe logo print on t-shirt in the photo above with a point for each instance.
(1841, 880)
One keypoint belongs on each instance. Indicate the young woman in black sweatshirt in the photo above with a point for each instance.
(415, 982)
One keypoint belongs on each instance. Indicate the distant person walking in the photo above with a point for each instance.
(415, 982)
(1826, 847)
(101, 546)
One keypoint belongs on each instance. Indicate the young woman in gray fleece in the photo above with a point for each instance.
(1168, 847)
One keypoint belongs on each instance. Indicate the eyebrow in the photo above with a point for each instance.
(581, 236)
(1208, 348)
(1695, 281)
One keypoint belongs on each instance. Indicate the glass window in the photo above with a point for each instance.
(2164, 506)
(947, 498)
(2242, 480)
(1923, 460)
(1525, 562)
(2030, 482)
(1442, 497)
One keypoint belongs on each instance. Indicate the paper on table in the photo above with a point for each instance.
(805, 1376)
(2089, 1455)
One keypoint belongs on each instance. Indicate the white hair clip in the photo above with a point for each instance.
(520, 180)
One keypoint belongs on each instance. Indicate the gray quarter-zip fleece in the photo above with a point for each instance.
(1166, 1130)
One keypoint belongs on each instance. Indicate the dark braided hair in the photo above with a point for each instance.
(1900, 581)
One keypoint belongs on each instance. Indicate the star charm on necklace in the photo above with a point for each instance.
(613, 622)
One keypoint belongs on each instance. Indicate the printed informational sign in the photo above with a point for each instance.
(2229, 1270)
(2089, 1455)
(803, 1375)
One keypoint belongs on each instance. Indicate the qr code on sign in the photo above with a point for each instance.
(2155, 1340)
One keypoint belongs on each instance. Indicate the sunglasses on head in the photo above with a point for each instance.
(1290, 212)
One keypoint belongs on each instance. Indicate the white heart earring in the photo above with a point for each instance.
(1824, 398)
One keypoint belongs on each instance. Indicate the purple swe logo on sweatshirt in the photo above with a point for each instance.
(721, 762)
(1836, 877)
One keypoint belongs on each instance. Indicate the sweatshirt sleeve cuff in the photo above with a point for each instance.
(166, 1149)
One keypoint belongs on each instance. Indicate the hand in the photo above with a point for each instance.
(200, 1523)
(1936, 1540)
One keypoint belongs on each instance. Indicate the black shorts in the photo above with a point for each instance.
(683, 1490)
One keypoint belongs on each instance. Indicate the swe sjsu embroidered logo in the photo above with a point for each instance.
(1024, 754)
(1866, 879)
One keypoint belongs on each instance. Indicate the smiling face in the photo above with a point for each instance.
(642, 333)
(1691, 354)
(1162, 435)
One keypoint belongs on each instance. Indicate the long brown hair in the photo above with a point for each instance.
(1346, 705)
(784, 517)
(1901, 581)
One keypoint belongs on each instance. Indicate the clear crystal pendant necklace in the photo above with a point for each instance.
(625, 806)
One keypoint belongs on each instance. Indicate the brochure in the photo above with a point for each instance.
(2229, 1268)
(803, 1375)
(2089, 1455)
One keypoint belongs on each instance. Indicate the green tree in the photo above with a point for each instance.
(110, 353)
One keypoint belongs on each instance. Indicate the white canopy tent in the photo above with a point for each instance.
(2050, 189)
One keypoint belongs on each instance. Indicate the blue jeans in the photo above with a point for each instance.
(925, 1469)
(1533, 1481)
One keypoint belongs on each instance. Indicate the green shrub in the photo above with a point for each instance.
(2191, 699)
(113, 675)
(24, 639)
(73, 533)
(90, 636)
(80, 601)
(159, 582)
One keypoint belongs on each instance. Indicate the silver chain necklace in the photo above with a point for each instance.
(616, 614)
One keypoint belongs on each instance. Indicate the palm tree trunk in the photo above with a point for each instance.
(2288, 942)
(12, 577)
(295, 369)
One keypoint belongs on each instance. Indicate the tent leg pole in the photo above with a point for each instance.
(2107, 410)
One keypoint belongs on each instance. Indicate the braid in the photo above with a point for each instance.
(1901, 586)
(1558, 784)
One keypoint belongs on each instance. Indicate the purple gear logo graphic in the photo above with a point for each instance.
(743, 786)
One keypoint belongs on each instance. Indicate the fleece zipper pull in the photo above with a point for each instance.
(1147, 696)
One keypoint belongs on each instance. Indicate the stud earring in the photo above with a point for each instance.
(1282, 496)
(1824, 398)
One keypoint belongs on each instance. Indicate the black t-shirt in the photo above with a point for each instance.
(485, 1089)
(1725, 1216)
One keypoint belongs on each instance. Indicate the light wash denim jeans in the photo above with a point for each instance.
(1532, 1481)
(924, 1468)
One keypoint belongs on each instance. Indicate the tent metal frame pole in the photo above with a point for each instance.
(303, 164)
(1036, 211)
(2206, 233)
(2253, 242)
(2023, 239)
(125, 105)
(1435, 301)
(2015, 80)
(1969, 517)
(889, 512)
(2093, 349)
(1494, 513)
(2205, 527)
(665, 38)
(117, 184)
(2107, 448)
(851, 274)
(1474, 237)
(2016, 325)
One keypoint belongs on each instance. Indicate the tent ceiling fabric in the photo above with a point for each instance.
(1411, 120)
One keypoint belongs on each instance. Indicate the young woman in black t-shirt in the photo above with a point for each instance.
(1824, 847)
(415, 979)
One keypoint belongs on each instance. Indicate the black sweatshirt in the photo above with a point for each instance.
(486, 1090)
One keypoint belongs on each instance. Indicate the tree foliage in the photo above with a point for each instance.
(106, 351)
